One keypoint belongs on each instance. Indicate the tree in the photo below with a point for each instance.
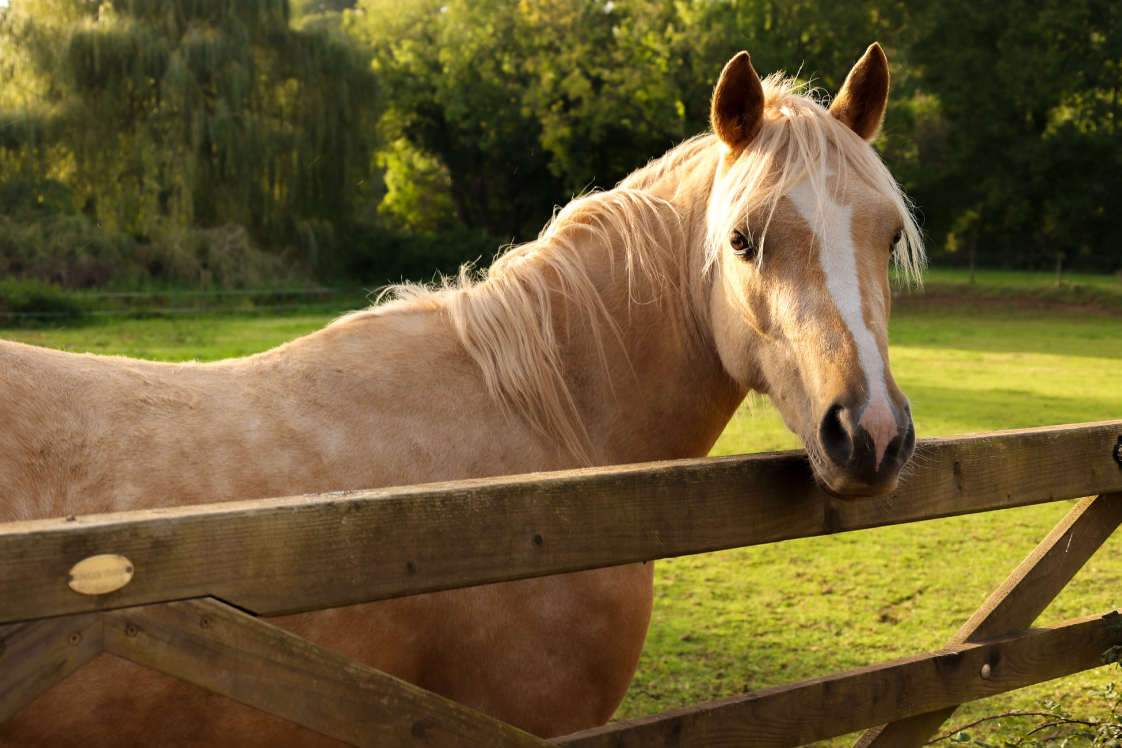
(163, 114)
(528, 102)
(1028, 92)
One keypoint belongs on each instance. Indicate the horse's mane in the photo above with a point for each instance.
(505, 319)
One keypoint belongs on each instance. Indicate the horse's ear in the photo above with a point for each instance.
(863, 98)
(738, 102)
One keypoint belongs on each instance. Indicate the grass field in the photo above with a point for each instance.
(978, 359)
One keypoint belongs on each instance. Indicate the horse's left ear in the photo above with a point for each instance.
(863, 98)
(738, 102)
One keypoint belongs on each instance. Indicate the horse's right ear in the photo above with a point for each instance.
(738, 102)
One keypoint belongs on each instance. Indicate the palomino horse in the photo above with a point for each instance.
(756, 258)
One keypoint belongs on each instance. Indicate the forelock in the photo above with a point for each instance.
(798, 137)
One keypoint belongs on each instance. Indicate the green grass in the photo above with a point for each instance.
(756, 617)
(204, 338)
(1103, 292)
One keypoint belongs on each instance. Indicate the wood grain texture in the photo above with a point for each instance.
(1018, 601)
(227, 652)
(820, 708)
(34, 656)
(287, 555)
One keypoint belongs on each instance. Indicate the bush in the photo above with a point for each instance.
(73, 252)
(32, 299)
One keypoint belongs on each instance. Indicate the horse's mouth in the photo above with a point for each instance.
(863, 492)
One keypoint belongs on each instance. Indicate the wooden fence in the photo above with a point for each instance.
(196, 571)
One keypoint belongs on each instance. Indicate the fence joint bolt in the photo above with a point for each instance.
(986, 670)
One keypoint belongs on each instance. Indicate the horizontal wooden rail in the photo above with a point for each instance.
(820, 708)
(279, 556)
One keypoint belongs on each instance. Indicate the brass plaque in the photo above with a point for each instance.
(98, 575)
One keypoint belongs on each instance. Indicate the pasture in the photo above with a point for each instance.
(750, 618)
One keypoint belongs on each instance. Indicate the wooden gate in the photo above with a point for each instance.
(198, 570)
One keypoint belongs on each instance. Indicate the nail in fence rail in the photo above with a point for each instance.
(309, 553)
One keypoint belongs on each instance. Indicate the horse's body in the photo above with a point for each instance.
(622, 335)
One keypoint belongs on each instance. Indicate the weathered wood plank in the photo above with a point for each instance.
(35, 656)
(294, 554)
(227, 652)
(820, 708)
(1017, 602)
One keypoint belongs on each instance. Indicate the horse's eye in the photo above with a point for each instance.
(742, 247)
(896, 240)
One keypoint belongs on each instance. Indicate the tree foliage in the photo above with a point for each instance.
(1031, 160)
(158, 115)
(528, 102)
(154, 117)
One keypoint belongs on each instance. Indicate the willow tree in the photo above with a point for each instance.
(164, 114)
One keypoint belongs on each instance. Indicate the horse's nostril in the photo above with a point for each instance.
(834, 437)
(909, 442)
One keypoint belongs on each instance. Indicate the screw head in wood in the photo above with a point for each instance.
(204, 622)
(74, 639)
(131, 630)
(986, 670)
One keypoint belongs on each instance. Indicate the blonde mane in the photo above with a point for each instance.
(505, 319)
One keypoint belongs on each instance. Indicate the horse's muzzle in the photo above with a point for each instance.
(849, 463)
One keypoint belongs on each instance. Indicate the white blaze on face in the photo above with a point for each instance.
(831, 224)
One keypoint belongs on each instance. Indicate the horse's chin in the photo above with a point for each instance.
(843, 487)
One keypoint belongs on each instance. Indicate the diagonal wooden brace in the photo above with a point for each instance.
(1020, 599)
(217, 647)
(35, 655)
(222, 650)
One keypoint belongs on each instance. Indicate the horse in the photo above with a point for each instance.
(753, 258)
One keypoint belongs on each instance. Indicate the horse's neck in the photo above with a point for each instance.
(663, 393)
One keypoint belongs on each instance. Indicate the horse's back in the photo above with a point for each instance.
(376, 401)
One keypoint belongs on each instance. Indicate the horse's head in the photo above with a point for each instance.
(803, 224)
